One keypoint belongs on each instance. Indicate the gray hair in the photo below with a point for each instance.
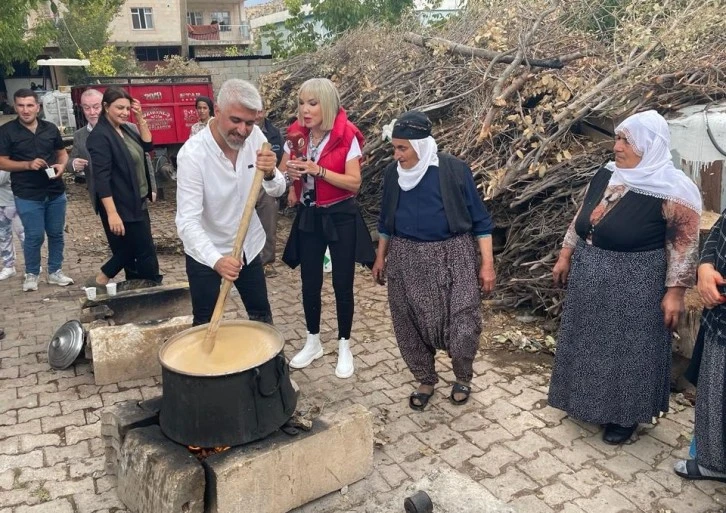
(239, 92)
(88, 93)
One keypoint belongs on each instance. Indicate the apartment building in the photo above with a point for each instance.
(194, 28)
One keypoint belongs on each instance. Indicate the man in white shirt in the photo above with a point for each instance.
(215, 170)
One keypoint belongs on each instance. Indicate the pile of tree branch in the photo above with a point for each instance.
(508, 85)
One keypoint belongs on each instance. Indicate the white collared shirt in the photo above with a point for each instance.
(211, 194)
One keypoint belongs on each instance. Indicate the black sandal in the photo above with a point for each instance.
(693, 472)
(458, 388)
(421, 397)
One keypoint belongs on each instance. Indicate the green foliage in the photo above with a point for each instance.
(332, 17)
(83, 29)
(337, 16)
(17, 41)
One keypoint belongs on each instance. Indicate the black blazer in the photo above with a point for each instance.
(113, 170)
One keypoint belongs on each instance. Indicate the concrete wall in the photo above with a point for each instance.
(167, 24)
(245, 67)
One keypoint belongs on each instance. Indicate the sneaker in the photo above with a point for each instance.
(58, 278)
(6, 273)
(30, 283)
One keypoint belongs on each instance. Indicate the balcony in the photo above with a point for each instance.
(219, 35)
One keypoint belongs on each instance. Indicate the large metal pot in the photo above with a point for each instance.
(232, 408)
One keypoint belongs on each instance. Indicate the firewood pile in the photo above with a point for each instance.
(509, 86)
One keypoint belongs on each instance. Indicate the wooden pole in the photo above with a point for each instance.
(244, 224)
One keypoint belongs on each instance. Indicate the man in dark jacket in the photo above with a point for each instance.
(267, 206)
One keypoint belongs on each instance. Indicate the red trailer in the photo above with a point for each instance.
(168, 102)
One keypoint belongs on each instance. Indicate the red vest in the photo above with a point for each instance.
(333, 158)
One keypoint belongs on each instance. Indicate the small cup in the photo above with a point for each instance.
(50, 172)
(91, 293)
(111, 289)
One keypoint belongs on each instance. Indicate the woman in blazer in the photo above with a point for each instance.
(122, 187)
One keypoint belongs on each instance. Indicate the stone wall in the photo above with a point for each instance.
(244, 67)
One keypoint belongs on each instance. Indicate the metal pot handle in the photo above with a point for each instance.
(277, 385)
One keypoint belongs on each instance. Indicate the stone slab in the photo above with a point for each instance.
(140, 304)
(156, 475)
(116, 422)
(281, 472)
(130, 351)
(450, 492)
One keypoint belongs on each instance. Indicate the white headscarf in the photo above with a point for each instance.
(655, 175)
(427, 151)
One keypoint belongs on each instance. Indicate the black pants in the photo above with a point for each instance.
(342, 256)
(204, 284)
(134, 251)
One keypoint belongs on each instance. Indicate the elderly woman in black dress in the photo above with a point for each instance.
(628, 258)
(432, 220)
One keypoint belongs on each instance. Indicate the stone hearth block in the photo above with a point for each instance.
(450, 492)
(116, 422)
(130, 351)
(140, 305)
(156, 475)
(281, 472)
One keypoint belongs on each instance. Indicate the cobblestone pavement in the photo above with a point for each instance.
(506, 438)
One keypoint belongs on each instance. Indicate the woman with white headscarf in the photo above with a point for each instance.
(628, 258)
(431, 216)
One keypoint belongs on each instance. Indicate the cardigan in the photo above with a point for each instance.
(114, 173)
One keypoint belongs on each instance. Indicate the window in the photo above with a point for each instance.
(223, 18)
(142, 18)
(195, 18)
(155, 53)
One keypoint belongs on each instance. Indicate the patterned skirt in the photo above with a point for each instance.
(711, 405)
(613, 355)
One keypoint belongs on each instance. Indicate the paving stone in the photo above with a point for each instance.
(587, 480)
(54, 455)
(69, 487)
(543, 467)
(623, 466)
(577, 455)
(494, 460)
(75, 434)
(30, 442)
(530, 504)
(648, 450)
(606, 500)
(493, 433)
(31, 428)
(529, 444)
(510, 484)
(564, 433)
(27, 414)
(643, 492)
(556, 494)
(61, 421)
(56, 506)
(31, 459)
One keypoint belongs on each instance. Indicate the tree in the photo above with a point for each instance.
(83, 31)
(18, 42)
(313, 22)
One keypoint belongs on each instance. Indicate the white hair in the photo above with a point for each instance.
(88, 93)
(239, 92)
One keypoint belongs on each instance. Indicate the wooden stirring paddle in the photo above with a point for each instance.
(244, 224)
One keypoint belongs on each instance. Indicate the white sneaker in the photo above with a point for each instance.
(30, 283)
(58, 278)
(6, 273)
(345, 367)
(309, 353)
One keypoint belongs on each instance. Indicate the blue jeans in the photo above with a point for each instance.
(41, 217)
